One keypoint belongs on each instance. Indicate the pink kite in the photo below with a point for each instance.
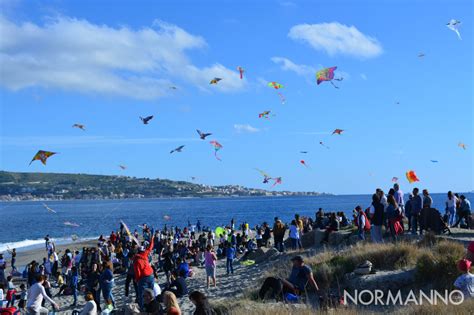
(217, 147)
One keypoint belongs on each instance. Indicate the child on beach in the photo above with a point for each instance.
(11, 292)
(465, 282)
(23, 297)
(230, 254)
(210, 263)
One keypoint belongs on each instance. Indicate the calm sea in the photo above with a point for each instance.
(24, 224)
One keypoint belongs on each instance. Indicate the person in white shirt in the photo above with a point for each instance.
(451, 208)
(36, 293)
(90, 308)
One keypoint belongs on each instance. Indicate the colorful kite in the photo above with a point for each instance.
(322, 143)
(127, 230)
(275, 85)
(394, 179)
(146, 119)
(79, 126)
(215, 80)
(42, 156)
(217, 147)
(327, 74)
(48, 208)
(203, 135)
(277, 180)
(304, 163)
(411, 177)
(241, 72)
(266, 177)
(265, 114)
(462, 145)
(337, 131)
(178, 149)
(72, 224)
(453, 25)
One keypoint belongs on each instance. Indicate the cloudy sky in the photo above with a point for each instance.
(106, 64)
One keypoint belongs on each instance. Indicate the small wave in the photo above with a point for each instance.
(30, 244)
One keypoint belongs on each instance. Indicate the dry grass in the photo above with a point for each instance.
(465, 308)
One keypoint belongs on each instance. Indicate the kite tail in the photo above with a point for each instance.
(218, 158)
(282, 98)
(334, 84)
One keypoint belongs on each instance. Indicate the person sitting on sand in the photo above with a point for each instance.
(465, 282)
(300, 276)
(151, 304)
(178, 284)
(171, 304)
(36, 294)
(201, 303)
(90, 308)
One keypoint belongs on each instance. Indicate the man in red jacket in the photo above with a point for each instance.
(143, 271)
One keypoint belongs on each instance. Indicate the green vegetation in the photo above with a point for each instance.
(26, 186)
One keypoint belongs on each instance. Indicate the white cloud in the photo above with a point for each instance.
(363, 76)
(335, 38)
(288, 65)
(245, 128)
(77, 55)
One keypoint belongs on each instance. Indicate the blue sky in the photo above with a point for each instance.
(104, 65)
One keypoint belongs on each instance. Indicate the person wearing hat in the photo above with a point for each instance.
(143, 271)
(465, 282)
(300, 276)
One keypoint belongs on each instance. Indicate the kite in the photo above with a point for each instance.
(146, 119)
(453, 25)
(462, 145)
(266, 177)
(434, 161)
(123, 167)
(178, 149)
(303, 152)
(74, 237)
(203, 135)
(48, 208)
(322, 143)
(193, 178)
(215, 80)
(79, 126)
(394, 179)
(337, 131)
(304, 163)
(265, 114)
(132, 237)
(166, 217)
(277, 86)
(42, 156)
(68, 223)
(241, 72)
(173, 87)
(421, 55)
(277, 181)
(217, 147)
(411, 177)
(327, 74)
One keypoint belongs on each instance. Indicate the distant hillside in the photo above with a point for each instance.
(30, 186)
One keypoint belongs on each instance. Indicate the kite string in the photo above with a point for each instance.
(103, 218)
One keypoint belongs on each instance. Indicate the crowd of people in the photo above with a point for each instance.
(140, 256)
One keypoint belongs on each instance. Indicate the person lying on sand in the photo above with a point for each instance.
(300, 276)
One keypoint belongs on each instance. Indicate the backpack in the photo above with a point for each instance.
(367, 222)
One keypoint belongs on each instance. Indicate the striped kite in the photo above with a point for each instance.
(217, 147)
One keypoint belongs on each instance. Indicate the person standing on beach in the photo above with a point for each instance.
(408, 210)
(3, 266)
(376, 214)
(36, 294)
(279, 230)
(416, 206)
(464, 212)
(143, 271)
(451, 208)
(399, 197)
(107, 282)
(295, 236)
(210, 260)
(230, 255)
(13, 259)
(427, 200)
